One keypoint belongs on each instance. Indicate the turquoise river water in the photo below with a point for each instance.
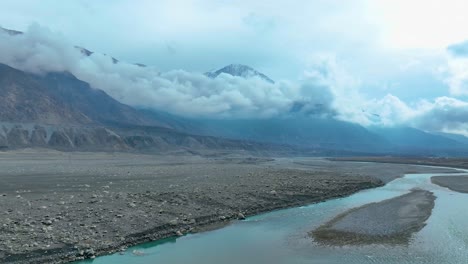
(281, 236)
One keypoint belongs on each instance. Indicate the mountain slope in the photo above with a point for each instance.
(415, 140)
(460, 138)
(60, 98)
(240, 71)
(306, 132)
(26, 99)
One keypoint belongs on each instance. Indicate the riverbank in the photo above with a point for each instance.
(391, 221)
(62, 207)
(460, 163)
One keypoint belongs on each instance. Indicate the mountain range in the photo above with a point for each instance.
(59, 111)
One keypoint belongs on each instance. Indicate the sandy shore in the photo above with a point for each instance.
(59, 207)
(390, 221)
(454, 183)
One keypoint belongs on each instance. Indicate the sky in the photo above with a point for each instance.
(373, 62)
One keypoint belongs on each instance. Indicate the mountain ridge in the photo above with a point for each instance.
(239, 70)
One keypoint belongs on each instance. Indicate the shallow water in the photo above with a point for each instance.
(281, 236)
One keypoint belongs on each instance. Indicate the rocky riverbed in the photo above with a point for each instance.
(454, 183)
(59, 207)
(390, 221)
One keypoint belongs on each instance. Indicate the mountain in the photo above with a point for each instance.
(57, 110)
(11, 32)
(459, 138)
(25, 98)
(412, 140)
(60, 98)
(60, 111)
(301, 132)
(240, 71)
(83, 51)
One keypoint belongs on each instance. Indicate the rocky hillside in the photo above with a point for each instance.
(60, 98)
(123, 138)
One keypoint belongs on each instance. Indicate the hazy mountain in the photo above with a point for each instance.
(412, 140)
(307, 132)
(11, 32)
(83, 51)
(240, 71)
(460, 138)
(299, 131)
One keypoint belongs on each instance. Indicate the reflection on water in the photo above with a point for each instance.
(281, 236)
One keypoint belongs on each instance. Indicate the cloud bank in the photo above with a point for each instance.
(39, 50)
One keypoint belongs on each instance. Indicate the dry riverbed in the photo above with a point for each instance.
(58, 207)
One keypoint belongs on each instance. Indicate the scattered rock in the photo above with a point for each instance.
(138, 252)
(240, 216)
(89, 253)
(47, 222)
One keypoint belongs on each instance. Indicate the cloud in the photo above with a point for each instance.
(39, 50)
(459, 49)
(444, 114)
(455, 69)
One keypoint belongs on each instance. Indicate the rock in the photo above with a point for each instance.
(47, 222)
(273, 192)
(89, 253)
(240, 216)
(138, 252)
(174, 222)
(179, 233)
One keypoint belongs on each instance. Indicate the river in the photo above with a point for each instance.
(281, 236)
